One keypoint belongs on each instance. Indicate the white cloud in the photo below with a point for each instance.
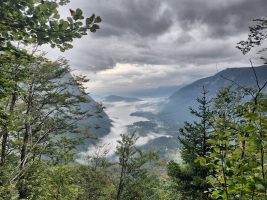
(131, 77)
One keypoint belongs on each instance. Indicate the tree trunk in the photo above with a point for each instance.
(5, 130)
(24, 148)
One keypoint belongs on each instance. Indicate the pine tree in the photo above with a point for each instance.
(190, 176)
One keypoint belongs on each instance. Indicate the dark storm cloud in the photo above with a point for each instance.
(136, 31)
(222, 17)
(144, 18)
(154, 17)
(170, 33)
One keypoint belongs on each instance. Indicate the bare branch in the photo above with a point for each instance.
(255, 74)
(237, 84)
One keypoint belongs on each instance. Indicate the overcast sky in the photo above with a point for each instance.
(151, 43)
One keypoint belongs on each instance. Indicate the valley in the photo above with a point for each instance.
(156, 119)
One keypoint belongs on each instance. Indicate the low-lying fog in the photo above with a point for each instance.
(124, 116)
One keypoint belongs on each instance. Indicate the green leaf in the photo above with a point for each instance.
(260, 187)
(98, 19)
(90, 20)
(95, 26)
(201, 160)
(70, 20)
(79, 12)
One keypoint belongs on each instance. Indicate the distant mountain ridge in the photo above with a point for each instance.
(176, 111)
(115, 98)
(162, 91)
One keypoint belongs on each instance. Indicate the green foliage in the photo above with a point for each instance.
(257, 35)
(97, 184)
(8, 192)
(41, 111)
(39, 106)
(224, 152)
(52, 182)
(190, 177)
(238, 148)
(134, 181)
(39, 22)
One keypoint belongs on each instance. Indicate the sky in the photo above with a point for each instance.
(151, 43)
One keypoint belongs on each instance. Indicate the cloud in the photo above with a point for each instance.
(223, 18)
(161, 33)
(126, 78)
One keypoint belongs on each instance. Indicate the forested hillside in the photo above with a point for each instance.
(176, 109)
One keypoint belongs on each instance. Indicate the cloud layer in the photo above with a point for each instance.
(168, 37)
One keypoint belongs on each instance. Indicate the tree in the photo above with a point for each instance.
(238, 153)
(238, 148)
(190, 176)
(34, 23)
(134, 180)
(45, 111)
(39, 105)
(96, 177)
(31, 22)
(53, 182)
(38, 22)
(257, 35)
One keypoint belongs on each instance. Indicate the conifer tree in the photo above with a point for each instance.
(190, 177)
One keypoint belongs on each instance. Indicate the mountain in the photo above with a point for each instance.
(97, 123)
(115, 98)
(163, 91)
(176, 111)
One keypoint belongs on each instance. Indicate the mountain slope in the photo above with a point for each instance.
(96, 123)
(176, 111)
